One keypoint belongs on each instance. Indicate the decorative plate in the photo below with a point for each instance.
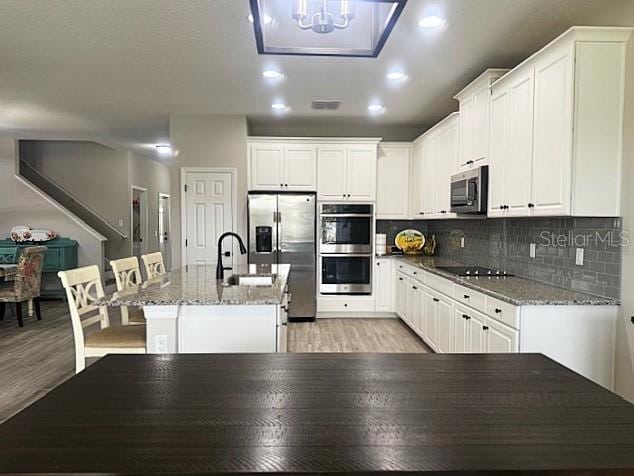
(23, 233)
(410, 241)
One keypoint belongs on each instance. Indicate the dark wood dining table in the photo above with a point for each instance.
(497, 414)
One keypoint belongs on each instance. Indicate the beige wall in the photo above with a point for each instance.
(208, 141)
(625, 328)
(21, 205)
(101, 177)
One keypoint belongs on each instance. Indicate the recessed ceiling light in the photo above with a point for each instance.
(397, 76)
(266, 18)
(431, 21)
(376, 108)
(164, 149)
(279, 106)
(272, 74)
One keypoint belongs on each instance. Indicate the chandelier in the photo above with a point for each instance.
(316, 16)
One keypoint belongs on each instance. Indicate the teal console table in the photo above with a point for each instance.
(60, 255)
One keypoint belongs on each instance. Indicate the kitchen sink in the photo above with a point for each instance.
(250, 280)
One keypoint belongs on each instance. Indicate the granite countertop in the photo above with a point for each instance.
(512, 289)
(197, 285)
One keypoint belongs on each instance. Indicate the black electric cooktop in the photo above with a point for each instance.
(473, 271)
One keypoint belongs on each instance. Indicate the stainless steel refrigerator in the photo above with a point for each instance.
(282, 230)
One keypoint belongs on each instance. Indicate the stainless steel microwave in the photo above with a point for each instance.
(469, 190)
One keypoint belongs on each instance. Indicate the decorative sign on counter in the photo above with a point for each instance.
(410, 241)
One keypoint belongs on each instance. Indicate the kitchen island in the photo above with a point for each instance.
(336, 414)
(189, 311)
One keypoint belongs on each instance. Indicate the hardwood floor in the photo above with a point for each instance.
(353, 335)
(36, 358)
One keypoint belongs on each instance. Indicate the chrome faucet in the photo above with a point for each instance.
(220, 270)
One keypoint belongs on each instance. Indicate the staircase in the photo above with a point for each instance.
(77, 207)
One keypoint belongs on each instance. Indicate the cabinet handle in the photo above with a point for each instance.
(485, 328)
(501, 207)
(506, 207)
(421, 213)
(443, 211)
(465, 316)
(414, 287)
(466, 296)
(436, 299)
(498, 310)
(531, 205)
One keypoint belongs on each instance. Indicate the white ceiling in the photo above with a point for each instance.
(113, 70)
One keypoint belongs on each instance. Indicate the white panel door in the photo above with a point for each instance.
(498, 149)
(331, 169)
(266, 162)
(361, 173)
(501, 338)
(477, 338)
(209, 213)
(444, 311)
(300, 168)
(552, 157)
(480, 124)
(392, 178)
(519, 159)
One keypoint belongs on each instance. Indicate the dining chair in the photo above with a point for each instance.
(26, 283)
(153, 264)
(8, 255)
(83, 287)
(127, 274)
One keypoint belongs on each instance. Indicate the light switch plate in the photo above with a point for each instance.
(579, 257)
(462, 242)
(160, 342)
(532, 250)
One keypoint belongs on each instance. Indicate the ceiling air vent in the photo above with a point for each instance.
(325, 105)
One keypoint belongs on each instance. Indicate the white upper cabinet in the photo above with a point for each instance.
(556, 128)
(474, 119)
(278, 166)
(331, 181)
(265, 161)
(347, 172)
(338, 169)
(300, 167)
(392, 179)
(435, 161)
(361, 173)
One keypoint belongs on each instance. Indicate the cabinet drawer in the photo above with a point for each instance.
(469, 297)
(503, 312)
(439, 284)
(411, 271)
(345, 305)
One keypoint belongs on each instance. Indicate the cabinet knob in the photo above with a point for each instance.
(400, 279)
(344, 195)
(436, 300)
(345, 305)
(506, 207)
(498, 310)
(465, 316)
(414, 273)
(421, 213)
(414, 287)
(531, 205)
(443, 211)
(501, 207)
(466, 296)
(378, 264)
(348, 195)
(281, 185)
(485, 328)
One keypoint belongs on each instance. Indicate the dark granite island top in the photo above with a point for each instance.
(494, 414)
(515, 290)
(197, 285)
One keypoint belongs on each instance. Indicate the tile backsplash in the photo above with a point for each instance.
(505, 244)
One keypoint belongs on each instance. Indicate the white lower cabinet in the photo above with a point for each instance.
(450, 317)
(384, 285)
